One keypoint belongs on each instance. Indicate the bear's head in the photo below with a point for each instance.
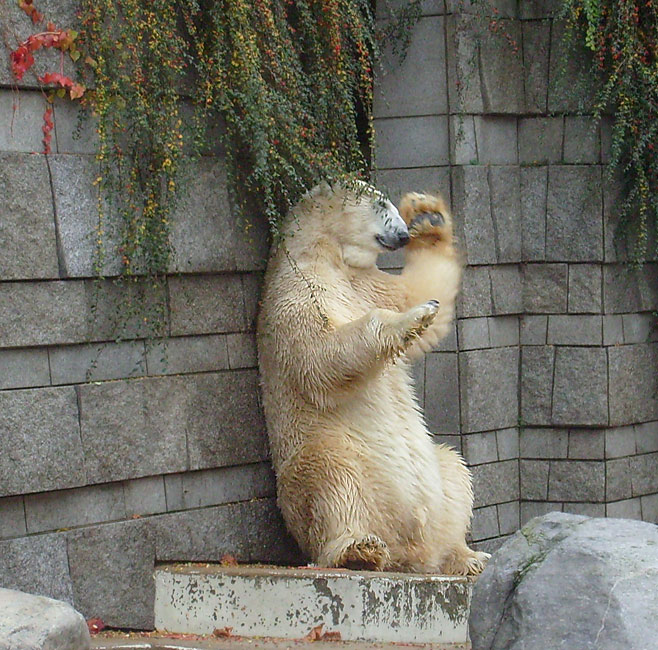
(356, 218)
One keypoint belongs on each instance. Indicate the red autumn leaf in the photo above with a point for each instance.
(21, 61)
(95, 625)
(315, 634)
(47, 129)
(223, 632)
(228, 560)
(30, 10)
(332, 636)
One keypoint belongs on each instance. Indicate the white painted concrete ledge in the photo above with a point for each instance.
(263, 601)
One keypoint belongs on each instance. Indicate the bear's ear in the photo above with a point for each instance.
(321, 189)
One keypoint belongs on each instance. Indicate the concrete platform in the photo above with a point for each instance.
(262, 601)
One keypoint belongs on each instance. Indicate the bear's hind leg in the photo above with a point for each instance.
(365, 552)
(464, 561)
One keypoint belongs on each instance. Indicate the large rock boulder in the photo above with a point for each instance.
(566, 581)
(37, 623)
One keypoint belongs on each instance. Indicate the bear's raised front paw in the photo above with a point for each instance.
(427, 218)
(420, 318)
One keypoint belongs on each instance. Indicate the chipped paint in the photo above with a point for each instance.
(287, 603)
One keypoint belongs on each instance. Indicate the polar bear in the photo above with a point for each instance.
(360, 483)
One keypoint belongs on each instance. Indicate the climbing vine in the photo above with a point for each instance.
(622, 36)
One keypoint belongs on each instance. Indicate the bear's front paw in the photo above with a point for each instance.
(418, 319)
(427, 218)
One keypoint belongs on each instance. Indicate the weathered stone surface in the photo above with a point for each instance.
(495, 482)
(42, 313)
(76, 202)
(536, 43)
(544, 443)
(27, 224)
(15, 27)
(463, 144)
(586, 509)
(76, 507)
(397, 182)
(574, 222)
(417, 86)
(224, 421)
(629, 290)
(145, 496)
(205, 235)
(508, 517)
(627, 509)
(508, 444)
(540, 140)
(12, 517)
(475, 296)
(534, 185)
(531, 509)
(577, 480)
(543, 572)
(534, 330)
(71, 364)
(37, 564)
(173, 356)
(473, 333)
(644, 474)
(536, 384)
(639, 328)
(488, 389)
(587, 444)
(619, 442)
(39, 441)
(646, 437)
(22, 119)
(580, 387)
(496, 140)
(485, 523)
(464, 87)
(22, 368)
(121, 420)
(250, 531)
(504, 187)
(500, 60)
(613, 330)
(533, 476)
(75, 128)
(479, 448)
(532, 9)
(545, 288)
(506, 289)
(206, 305)
(633, 377)
(574, 330)
(30, 622)
(242, 351)
(582, 143)
(585, 288)
(214, 487)
(112, 573)
(650, 508)
(618, 482)
(503, 331)
(442, 393)
(412, 141)
(473, 203)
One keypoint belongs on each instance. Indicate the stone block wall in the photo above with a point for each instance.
(550, 384)
(117, 455)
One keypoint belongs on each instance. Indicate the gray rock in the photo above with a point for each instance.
(27, 224)
(536, 43)
(496, 139)
(570, 581)
(533, 478)
(30, 622)
(506, 289)
(585, 288)
(504, 187)
(12, 517)
(545, 288)
(540, 140)
(536, 384)
(24, 367)
(534, 185)
(495, 482)
(21, 119)
(574, 330)
(412, 141)
(475, 298)
(577, 480)
(582, 143)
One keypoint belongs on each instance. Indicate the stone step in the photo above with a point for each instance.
(266, 601)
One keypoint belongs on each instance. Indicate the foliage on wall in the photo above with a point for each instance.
(623, 38)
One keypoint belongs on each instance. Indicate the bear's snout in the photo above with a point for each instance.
(394, 239)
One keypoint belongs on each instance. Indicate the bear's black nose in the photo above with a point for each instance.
(404, 238)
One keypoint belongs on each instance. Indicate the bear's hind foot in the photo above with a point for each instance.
(368, 553)
(466, 563)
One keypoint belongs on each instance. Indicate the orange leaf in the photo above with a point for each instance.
(315, 634)
(223, 632)
(228, 560)
(95, 625)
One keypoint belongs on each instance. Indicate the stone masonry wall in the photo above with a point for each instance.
(549, 384)
(114, 457)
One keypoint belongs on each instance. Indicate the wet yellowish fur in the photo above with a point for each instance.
(360, 482)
